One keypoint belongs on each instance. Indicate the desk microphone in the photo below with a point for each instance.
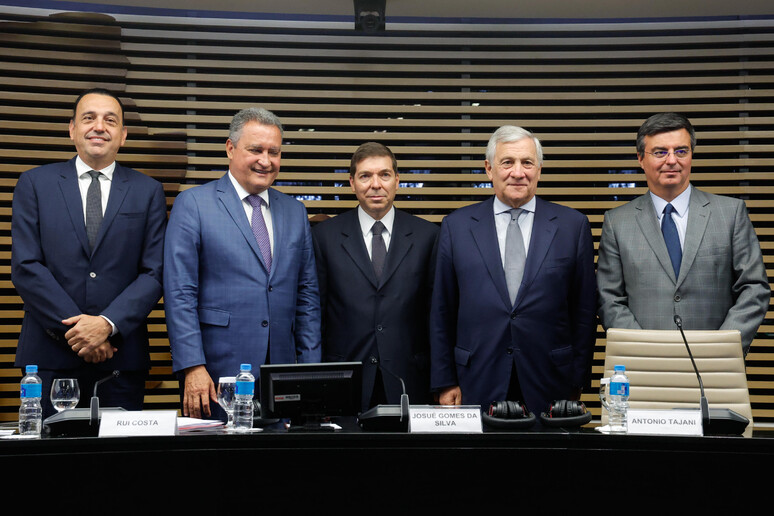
(389, 418)
(80, 422)
(716, 421)
(94, 404)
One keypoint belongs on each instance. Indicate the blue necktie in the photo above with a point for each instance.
(672, 239)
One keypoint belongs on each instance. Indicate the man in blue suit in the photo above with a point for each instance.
(513, 311)
(240, 284)
(87, 258)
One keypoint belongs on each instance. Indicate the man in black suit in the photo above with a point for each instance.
(375, 267)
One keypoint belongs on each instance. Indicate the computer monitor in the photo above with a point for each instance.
(307, 394)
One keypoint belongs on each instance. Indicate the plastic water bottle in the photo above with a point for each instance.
(243, 399)
(619, 400)
(30, 411)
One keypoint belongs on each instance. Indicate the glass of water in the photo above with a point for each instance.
(226, 393)
(65, 393)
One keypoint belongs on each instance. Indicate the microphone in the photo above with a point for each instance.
(388, 418)
(80, 422)
(705, 416)
(721, 421)
(94, 404)
(404, 399)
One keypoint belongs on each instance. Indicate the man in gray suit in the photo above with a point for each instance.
(678, 250)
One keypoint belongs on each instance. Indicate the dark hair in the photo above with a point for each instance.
(371, 150)
(99, 91)
(664, 123)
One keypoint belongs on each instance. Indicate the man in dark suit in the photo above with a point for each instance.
(240, 284)
(87, 258)
(513, 301)
(709, 271)
(375, 284)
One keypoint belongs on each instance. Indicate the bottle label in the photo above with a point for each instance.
(619, 388)
(245, 388)
(31, 390)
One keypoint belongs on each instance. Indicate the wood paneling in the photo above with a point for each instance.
(434, 97)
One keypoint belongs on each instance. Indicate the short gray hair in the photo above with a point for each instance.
(511, 133)
(252, 114)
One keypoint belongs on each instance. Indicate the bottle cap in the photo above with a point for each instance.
(31, 369)
(245, 367)
(619, 368)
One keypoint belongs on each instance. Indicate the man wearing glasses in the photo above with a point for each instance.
(678, 250)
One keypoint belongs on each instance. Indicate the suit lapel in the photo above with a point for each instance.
(233, 205)
(68, 184)
(400, 243)
(354, 245)
(698, 217)
(484, 233)
(278, 220)
(647, 220)
(543, 232)
(119, 186)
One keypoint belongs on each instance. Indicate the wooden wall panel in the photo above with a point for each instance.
(433, 96)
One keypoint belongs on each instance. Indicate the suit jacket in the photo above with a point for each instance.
(477, 337)
(722, 282)
(222, 306)
(58, 277)
(378, 321)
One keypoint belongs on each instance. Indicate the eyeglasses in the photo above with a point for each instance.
(678, 153)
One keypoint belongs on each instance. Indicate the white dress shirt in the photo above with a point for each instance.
(367, 222)
(84, 180)
(243, 194)
(680, 213)
(502, 214)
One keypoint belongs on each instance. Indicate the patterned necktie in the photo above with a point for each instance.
(93, 208)
(260, 232)
(378, 248)
(672, 239)
(515, 255)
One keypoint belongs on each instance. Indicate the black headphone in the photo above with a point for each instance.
(564, 413)
(508, 415)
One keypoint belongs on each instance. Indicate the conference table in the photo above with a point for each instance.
(356, 470)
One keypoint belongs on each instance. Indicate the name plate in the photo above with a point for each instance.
(445, 419)
(133, 423)
(664, 422)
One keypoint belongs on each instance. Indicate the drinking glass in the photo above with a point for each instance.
(226, 394)
(65, 393)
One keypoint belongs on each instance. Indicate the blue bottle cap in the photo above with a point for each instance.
(31, 369)
(619, 368)
(245, 367)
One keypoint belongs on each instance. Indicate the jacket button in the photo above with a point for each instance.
(92, 274)
(265, 324)
(677, 298)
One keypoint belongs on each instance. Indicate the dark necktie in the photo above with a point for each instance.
(378, 248)
(260, 232)
(515, 255)
(93, 208)
(672, 239)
